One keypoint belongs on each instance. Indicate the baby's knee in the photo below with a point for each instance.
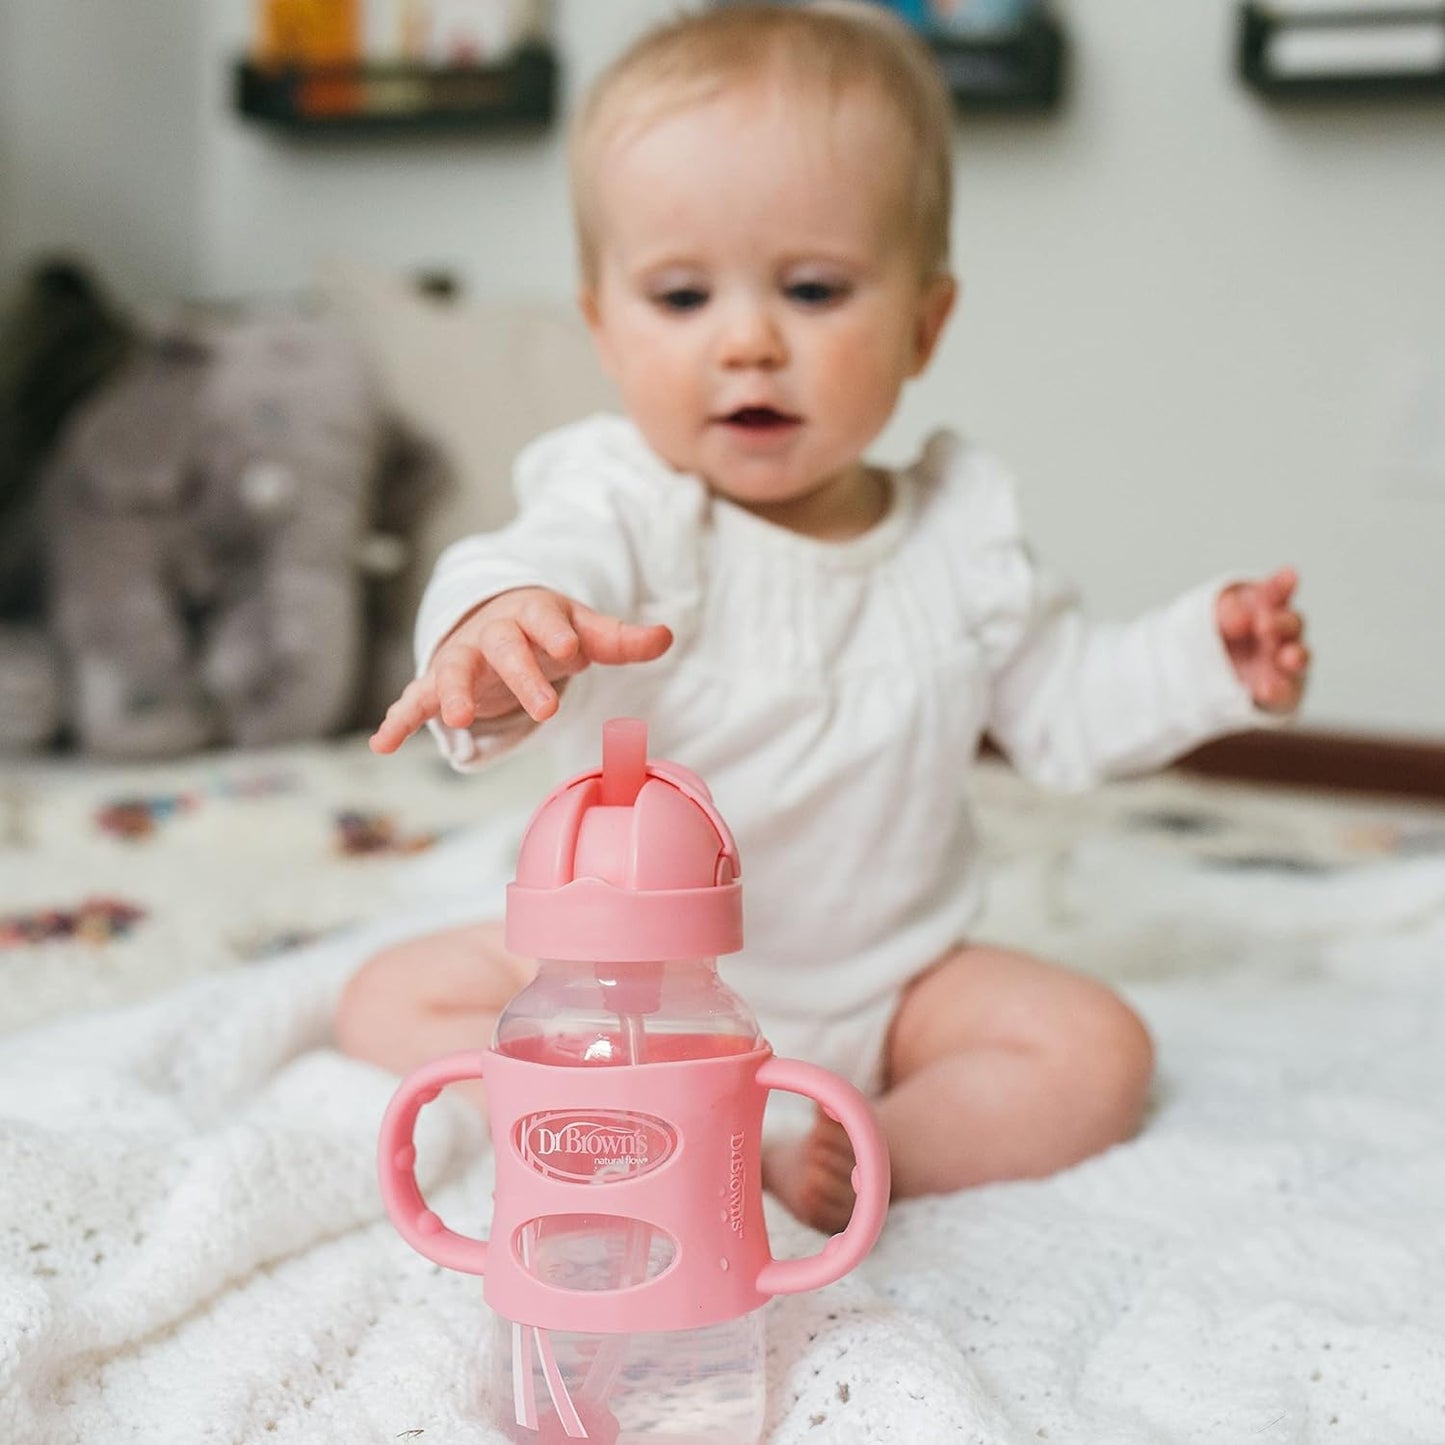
(1116, 1051)
(371, 997)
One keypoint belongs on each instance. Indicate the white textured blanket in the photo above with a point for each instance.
(192, 1247)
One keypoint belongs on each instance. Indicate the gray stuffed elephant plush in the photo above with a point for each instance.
(205, 515)
(61, 339)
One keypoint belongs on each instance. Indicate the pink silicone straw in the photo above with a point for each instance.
(624, 761)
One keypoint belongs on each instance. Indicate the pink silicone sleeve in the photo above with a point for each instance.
(396, 1165)
(841, 1101)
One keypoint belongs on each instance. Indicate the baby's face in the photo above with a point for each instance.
(757, 299)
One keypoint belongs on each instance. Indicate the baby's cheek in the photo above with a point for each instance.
(658, 378)
(859, 377)
(660, 392)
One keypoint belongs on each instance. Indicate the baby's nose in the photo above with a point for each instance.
(751, 336)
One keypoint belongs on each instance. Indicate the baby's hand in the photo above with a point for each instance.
(1264, 637)
(510, 651)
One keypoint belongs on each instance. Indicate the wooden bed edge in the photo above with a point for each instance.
(1337, 761)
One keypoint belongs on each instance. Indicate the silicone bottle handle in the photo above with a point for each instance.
(841, 1101)
(396, 1165)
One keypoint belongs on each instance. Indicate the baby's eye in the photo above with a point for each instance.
(815, 293)
(681, 298)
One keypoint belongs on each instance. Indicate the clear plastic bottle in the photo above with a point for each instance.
(677, 1387)
(629, 1262)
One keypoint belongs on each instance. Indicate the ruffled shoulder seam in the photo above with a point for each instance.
(970, 491)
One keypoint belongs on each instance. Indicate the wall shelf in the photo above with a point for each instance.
(1333, 54)
(399, 99)
(1016, 70)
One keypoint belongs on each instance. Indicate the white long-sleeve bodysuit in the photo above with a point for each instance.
(833, 695)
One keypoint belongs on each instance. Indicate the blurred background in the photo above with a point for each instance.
(1204, 323)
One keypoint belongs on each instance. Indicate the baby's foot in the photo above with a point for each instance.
(473, 1092)
(813, 1175)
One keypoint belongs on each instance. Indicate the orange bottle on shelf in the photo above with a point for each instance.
(314, 33)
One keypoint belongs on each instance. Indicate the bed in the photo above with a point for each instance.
(192, 1247)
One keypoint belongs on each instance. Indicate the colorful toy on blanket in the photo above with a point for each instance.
(359, 835)
(96, 920)
(137, 818)
(629, 1258)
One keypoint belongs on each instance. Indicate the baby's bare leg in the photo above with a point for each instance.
(999, 1066)
(430, 996)
(1002, 1066)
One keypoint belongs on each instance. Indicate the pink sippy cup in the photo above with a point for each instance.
(628, 1261)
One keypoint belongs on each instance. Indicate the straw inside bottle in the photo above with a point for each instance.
(601, 1378)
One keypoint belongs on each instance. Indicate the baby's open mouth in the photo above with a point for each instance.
(760, 418)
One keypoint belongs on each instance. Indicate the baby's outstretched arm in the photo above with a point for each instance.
(508, 653)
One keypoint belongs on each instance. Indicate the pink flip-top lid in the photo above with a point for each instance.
(630, 861)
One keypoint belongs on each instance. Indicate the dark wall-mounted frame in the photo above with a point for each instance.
(1401, 52)
(1021, 69)
(1016, 68)
(400, 99)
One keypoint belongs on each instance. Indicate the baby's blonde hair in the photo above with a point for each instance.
(823, 51)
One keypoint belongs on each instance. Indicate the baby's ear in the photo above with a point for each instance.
(591, 309)
(587, 305)
(934, 307)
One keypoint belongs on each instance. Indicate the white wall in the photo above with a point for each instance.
(1179, 302)
(1193, 322)
(99, 149)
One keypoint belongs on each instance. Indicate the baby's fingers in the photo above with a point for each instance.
(1281, 693)
(509, 651)
(417, 703)
(1280, 585)
(1294, 658)
(1287, 626)
(609, 640)
(456, 684)
(545, 620)
(1233, 612)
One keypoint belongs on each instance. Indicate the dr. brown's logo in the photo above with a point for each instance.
(576, 1147)
(737, 1184)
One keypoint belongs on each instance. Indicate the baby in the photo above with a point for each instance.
(762, 197)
